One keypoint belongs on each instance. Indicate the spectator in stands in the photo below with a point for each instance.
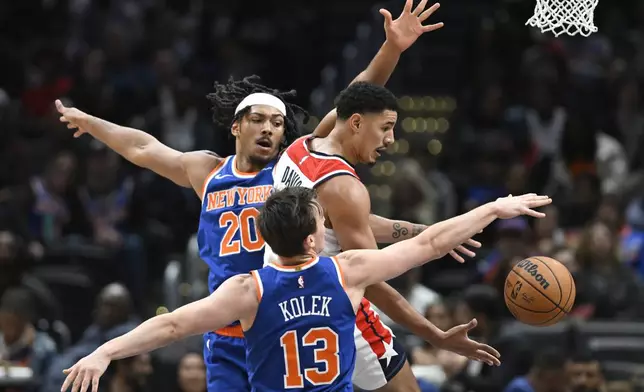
(512, 245)
(485, 304)
(429, 363)
(632, 242)
(10, 263)
(413, 196)
(131, 374)
(547, 374)
(548, 236)
(113, 317)
(20, 343)
(191, 374)
(602, 281)
(49, 210)
(107, 200)
(585, 373)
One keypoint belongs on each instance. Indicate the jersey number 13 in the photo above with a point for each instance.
(325, 356)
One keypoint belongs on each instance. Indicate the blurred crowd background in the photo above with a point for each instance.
(90, 245)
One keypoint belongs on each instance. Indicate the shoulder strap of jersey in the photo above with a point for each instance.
(213, 173)
(259, 286)
(338, 270)
(319, 167)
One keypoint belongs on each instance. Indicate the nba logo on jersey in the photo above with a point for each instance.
(300, 282)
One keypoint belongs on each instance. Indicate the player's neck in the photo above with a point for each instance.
(246, 165)
(340, 141)
(296, 260)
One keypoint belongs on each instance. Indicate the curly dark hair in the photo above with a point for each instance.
(364, 97)
(227, 96)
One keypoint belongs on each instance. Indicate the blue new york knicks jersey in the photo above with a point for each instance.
(302, 336)
(228, 239)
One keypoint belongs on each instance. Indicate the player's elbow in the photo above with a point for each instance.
(173, 328)
(140, 155)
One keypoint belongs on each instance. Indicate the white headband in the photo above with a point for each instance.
(262, 99)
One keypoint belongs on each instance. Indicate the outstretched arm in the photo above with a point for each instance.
(388, 231)
(142, 149)
(235, 299)
(366, 267)
(400, 35)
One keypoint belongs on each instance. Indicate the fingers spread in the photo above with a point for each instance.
(463, 250)
(408, 5)
(456, 256)
(433, 27)
(489, 349)
(419, 8)
(428, 12)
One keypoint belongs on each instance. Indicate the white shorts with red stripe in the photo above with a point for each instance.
(379, 357)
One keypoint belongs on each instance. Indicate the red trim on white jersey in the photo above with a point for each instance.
(316, 166)
(372, 328)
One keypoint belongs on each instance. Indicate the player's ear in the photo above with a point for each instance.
(309, 243)
(355, 122)
(234, 129)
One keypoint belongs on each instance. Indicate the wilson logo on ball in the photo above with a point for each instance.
(531, 268)
(516, 289)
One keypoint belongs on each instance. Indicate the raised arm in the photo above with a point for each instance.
(144, 150)
(363, 268)
(235, 299)
(400, 34)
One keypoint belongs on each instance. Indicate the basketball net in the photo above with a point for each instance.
(564, 17)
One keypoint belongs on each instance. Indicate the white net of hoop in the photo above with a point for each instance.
(564, 17)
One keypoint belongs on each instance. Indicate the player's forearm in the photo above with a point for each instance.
(127, 142)
(387, 231)
(154, 333)
(394, 305)
(381, 67)
(444, 236)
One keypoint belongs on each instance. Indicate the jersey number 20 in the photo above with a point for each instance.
(326, 355)
(245, 224)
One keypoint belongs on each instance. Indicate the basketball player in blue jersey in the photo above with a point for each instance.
(298, 314)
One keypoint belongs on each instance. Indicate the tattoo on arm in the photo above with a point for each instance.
(417, 229)
(399, 231)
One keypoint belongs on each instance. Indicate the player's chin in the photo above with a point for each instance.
(265, 153)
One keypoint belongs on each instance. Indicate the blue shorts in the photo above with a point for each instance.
(225, 359)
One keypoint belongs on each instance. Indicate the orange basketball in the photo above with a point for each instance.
(539, 291)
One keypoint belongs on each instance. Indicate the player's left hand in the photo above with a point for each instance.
(406, 29)
(86, 372)
(456, 340)
(464, 251)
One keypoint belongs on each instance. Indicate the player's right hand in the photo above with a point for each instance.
(73, 117)
(86, 373)
(513, 206)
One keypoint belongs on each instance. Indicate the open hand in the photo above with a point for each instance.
(457, 340)
(73, 117)
(464, 251)
(86, 373)
(406, 29)
(513, 206)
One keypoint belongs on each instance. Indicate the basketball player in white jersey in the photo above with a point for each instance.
(366, 115)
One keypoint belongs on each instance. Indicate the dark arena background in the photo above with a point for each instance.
(90, 245)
